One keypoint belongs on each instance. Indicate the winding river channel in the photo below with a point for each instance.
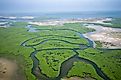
(67, 64)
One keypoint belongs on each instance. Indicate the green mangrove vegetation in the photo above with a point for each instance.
(55, 52)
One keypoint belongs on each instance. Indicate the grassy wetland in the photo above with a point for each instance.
(57, 52)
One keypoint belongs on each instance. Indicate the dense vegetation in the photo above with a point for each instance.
(116, 23)
(108, 60)
(54, 46)
(10, 40)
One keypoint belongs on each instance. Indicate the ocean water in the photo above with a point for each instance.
(86, 14)
(69, 15)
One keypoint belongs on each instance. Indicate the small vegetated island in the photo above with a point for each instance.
(57, 52)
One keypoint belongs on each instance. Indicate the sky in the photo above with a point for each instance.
(21, 6)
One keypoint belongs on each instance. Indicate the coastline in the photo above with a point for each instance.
(63, 21)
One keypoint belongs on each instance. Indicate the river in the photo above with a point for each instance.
(67, 64)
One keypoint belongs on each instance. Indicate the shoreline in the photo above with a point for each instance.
(63, 21)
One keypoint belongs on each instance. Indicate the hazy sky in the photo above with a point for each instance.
(58, 5)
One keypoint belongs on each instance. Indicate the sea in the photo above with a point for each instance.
(68, 15)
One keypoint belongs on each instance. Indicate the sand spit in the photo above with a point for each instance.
(109, 37)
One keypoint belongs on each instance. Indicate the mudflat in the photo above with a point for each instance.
(8, 69)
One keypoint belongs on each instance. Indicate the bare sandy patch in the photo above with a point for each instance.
(7, 69)
(109, 37)
(78, 78)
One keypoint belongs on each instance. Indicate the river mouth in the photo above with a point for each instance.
(65, 65)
